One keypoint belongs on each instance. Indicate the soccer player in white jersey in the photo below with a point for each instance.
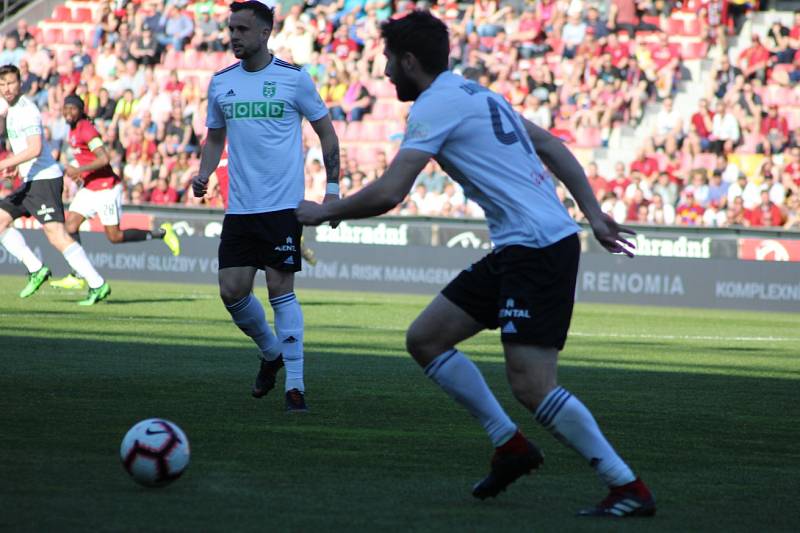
(40, 194)
(525, 286)
(259, 104)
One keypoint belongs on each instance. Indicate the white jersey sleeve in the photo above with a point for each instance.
(214, 116)
(308, 100)
(429, 125)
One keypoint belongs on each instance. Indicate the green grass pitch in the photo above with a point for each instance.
(705, 405)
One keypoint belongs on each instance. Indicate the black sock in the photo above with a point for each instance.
(133, 235)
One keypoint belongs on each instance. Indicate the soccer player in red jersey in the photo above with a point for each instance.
(101, 192)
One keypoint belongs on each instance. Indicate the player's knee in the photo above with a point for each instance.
(419, 344)
(230, 295)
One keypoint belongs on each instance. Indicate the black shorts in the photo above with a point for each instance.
(261, 239)
(527, 292)
(40, 199)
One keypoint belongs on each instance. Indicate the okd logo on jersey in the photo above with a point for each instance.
(254, 110)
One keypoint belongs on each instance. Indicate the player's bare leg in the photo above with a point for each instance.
(71, 281)
(76, 256)
(289, 328)
(431, 341)
(533, 376)
(236, 291)
(13, 241)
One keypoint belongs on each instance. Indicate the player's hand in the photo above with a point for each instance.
(332, 198)
(310, 213)
(199, 185)
(71, 172)
(609, 234)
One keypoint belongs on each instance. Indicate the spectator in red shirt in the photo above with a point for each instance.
(754, 60)
(791, 168)
(645, 164)
(775, 130)
(598, 183)
(766, 213)
(163, 193)
(620, 182)
(342, 45)
(700, 129)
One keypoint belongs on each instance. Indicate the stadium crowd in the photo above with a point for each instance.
(579, 68)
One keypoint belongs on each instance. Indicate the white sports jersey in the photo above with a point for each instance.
(263, 112)
(479, 140)
(24, 120)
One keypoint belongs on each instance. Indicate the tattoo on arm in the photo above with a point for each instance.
(331, 160)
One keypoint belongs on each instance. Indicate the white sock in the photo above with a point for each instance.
(248, 314)
(79, 261)
(289, 328)
(563, 415)
(14, 242)
(461, 379)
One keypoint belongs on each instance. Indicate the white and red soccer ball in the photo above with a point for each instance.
(155, 452)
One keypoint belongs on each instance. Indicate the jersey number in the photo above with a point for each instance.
(517, 135)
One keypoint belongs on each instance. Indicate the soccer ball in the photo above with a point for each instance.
(155, 452)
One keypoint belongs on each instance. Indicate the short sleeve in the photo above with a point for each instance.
(215, 118)
(90, 136)
(308, 100)
(31, 122)
(428, 127)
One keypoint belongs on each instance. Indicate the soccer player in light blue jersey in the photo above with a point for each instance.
(258, 104)
(525, 286)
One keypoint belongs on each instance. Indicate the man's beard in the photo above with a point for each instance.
(407, 90)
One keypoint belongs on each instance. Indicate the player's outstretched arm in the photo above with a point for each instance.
(568, 170)
(209, 160)
(376, 198)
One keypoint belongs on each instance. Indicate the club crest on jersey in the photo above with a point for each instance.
(269, 89)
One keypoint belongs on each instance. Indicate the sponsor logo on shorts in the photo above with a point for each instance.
(511, 311)
(46, 212)
(288, 247)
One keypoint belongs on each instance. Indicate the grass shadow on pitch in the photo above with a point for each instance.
(397, 448)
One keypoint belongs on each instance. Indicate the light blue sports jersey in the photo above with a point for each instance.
(480, 141)
(263, 112)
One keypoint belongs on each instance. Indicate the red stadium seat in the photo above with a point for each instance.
(691, 27)
(674, 26)
(694, 49)
(53, 36)
(792, 116)
(82, 14)
(75, 34)
(62, 14)
(587, 137)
